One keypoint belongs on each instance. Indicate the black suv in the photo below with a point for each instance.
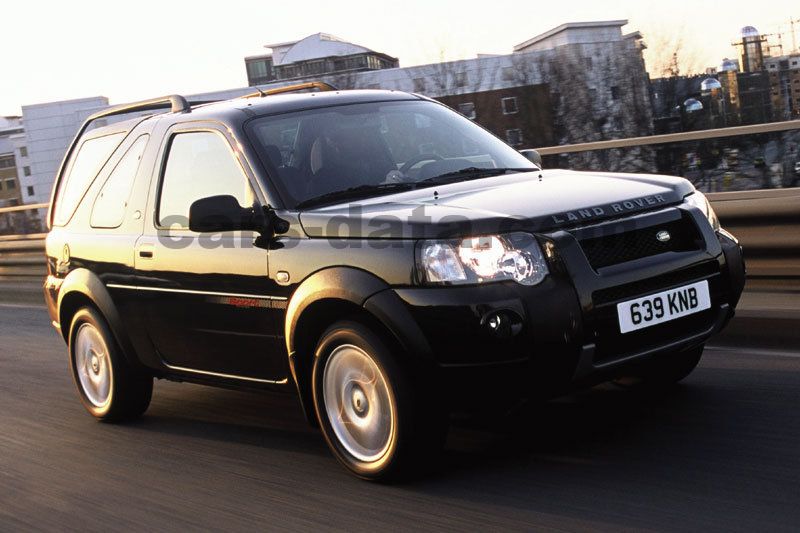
(377, 252)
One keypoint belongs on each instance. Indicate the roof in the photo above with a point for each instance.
(239, 109)
(570, 26)
(314, 46)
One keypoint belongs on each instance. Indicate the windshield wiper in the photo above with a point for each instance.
(366, 191)
(470, 173)
(360, 191)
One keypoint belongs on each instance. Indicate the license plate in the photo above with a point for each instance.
(663, 306)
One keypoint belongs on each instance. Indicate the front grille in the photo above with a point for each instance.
(657, 284)
(627, 246)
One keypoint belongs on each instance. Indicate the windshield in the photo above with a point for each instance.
(386, 145)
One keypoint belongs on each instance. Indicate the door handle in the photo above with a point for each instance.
(146, 251)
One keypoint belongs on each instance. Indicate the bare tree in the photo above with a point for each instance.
(668, 56)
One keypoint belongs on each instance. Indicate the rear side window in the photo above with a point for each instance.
(200, 164)
(82, 170)
(112, 202)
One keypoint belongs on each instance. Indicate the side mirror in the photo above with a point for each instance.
(532, 156)
(223, 213)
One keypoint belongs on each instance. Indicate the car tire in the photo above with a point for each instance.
(109, 388)
(664, 371)
(376, 418)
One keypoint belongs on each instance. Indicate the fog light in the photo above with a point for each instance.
(502, 324)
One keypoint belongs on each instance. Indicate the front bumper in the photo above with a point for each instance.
(567, 332)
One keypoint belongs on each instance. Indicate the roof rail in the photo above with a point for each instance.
(175, 102)
(319, 85)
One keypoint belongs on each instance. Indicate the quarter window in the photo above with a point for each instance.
(81, 172)
(112, 202)
(200, 164)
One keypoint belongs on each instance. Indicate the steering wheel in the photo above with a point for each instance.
(408, 165)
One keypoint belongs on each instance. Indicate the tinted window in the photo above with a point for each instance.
(200, 164)
(318, 151)
(81, 172)
(112, 202)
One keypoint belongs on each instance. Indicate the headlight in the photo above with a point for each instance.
(511, 256)
(699, 200)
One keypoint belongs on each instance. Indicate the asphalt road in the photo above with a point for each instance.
(721, 452)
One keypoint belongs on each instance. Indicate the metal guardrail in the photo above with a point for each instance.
(22, 257)
(670, 138)
(767, 222)
(26, 207)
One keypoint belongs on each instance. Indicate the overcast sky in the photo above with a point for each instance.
(71, 49)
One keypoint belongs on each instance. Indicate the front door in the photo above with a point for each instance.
(206, 296)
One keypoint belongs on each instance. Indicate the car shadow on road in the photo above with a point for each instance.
(268, 420)
(568, 430)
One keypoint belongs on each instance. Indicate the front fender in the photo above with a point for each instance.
(341, 290)
(338, 283)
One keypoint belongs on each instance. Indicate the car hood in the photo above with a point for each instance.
(531, 201)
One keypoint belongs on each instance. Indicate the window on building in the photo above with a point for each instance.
(615, 92)
(81, 171)
(11, 184)
(26, 171)
(773, 66)
(1, 185)
(30, 190)
(200, 164)
(259, 70)
(588, 63)
(419, 85)
(467, 109)
(23, 151)
(509, 105)
(514, 137)
(112, 201)
(7, 161)
(461, 79)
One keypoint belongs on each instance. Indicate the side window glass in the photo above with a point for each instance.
(112, 202)
(200, 164)
(83, 169)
